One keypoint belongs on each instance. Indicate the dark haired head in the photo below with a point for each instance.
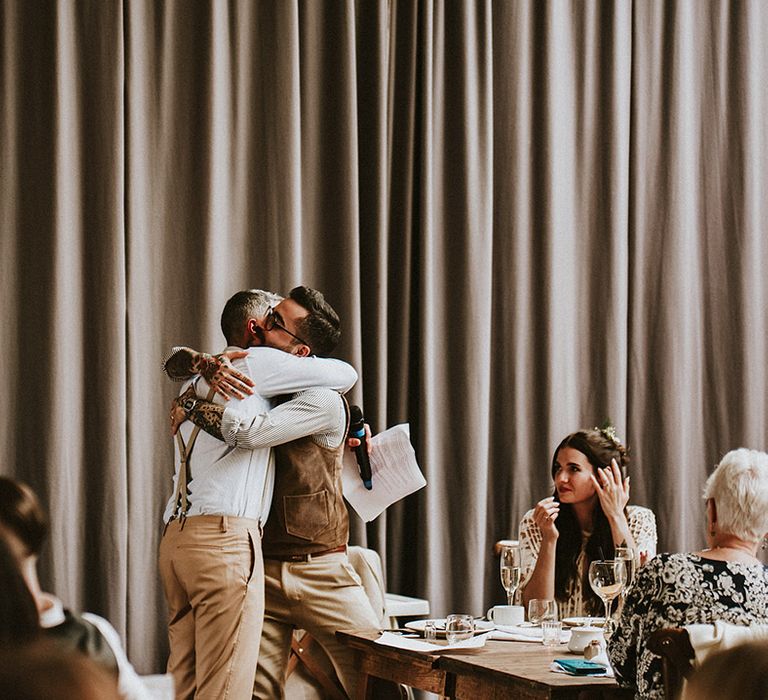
(46, 669)
(19, 621)
(22, 515)
(320, 327)
(599, 446)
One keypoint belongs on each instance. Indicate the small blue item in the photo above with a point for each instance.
(580, 667)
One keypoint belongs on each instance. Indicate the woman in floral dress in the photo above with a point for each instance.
(724, 582)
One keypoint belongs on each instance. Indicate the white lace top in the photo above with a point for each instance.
(642, 525)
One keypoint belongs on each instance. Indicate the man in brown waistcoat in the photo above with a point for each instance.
(309, 583)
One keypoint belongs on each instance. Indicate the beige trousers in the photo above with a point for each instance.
(320, 596)
(213, 575)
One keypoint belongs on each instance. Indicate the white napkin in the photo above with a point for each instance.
(395, 640)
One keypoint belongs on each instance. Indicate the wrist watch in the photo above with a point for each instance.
(188, 405)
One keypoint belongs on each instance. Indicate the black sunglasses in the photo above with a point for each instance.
(271, 322)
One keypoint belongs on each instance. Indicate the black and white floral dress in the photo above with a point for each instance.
(673, 590)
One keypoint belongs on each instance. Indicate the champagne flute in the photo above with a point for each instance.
(509, 568)
(607, 578)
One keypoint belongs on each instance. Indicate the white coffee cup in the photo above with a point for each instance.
(582, 636)
(507, 615)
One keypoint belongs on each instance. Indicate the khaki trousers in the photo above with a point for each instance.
(213, 575)
(320, 596)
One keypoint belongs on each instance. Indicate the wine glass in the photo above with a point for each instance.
(509, 568)
(607, 578)
(540, 609)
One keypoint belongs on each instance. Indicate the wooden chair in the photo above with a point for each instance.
(673, 645)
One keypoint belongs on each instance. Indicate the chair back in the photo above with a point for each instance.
(673, 645)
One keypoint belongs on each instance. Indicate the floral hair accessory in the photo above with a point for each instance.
(609, 431)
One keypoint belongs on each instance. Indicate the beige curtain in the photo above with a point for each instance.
(531, 216)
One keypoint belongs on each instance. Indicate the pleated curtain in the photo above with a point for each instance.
(532, 216)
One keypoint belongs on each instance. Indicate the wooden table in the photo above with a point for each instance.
(498, 670)
(411, 668)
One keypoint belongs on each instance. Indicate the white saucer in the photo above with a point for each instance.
(584, 621)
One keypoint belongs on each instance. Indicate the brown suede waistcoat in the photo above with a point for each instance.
(308, 513)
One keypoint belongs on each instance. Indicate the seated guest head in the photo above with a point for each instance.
(43, 669)
(738, 673)
(23, 525)
(19, 622)
(736, 496)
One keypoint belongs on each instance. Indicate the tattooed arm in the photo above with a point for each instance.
(205, 414)
(217, 370)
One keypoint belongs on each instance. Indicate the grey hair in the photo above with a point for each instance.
(244, 305)
(739, 488)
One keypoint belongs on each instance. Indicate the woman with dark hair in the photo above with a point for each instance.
(585, 519)
(23, 529)
(18, 613)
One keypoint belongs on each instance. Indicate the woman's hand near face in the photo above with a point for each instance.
(544, 515)
(612, 491)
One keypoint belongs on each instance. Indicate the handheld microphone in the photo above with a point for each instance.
(357, 430)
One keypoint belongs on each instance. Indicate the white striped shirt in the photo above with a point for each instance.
(316, 412)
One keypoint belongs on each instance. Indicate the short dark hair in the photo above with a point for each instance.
(321, 327)
(22, 515)
(241, 306)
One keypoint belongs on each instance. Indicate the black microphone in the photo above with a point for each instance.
(357, 430)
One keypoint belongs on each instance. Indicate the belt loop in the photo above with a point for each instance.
(224, 523)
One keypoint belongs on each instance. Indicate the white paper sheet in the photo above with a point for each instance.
(394, 473)
(396, 640)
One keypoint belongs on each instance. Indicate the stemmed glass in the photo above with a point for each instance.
(607, 578)
(626, 555)
(509, 568)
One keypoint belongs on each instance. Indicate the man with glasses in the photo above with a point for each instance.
(210, 553)
(309, 583)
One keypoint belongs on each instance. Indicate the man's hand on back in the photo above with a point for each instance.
(218, 371)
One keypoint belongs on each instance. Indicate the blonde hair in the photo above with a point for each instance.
(739, 488)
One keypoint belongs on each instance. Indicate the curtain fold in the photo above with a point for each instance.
(532, 216)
